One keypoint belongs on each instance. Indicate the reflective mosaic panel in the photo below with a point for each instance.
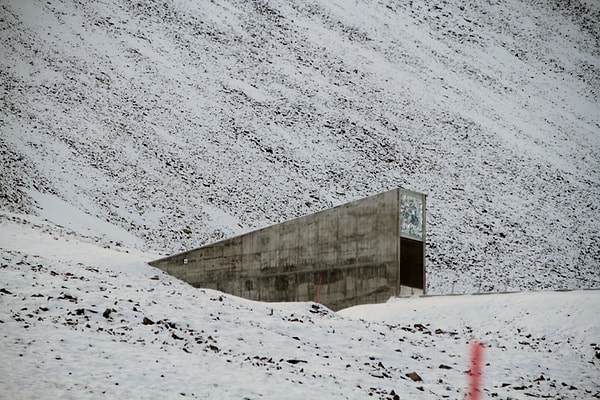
(411, 216)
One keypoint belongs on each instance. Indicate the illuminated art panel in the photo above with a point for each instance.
(412, 215)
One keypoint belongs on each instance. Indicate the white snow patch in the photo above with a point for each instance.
(63, 214)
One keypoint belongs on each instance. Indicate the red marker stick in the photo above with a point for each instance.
(475, 371)
(319, 289)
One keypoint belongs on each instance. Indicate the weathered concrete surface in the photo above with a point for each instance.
(349, 255)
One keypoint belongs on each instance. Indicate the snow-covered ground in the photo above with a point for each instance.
(131, 129)
(81, 320)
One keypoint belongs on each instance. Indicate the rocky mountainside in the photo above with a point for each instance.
(185, 122)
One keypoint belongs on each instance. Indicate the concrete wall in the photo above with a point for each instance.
(352, 252)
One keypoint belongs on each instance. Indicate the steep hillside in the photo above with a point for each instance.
(183, 122)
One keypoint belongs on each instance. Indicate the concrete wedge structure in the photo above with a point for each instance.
(365, 251)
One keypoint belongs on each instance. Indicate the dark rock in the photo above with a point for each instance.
(106, 313)
(296, 361)
(67, 297)
(442, 366)
(169, 324)
(414, 376)
(147, 321)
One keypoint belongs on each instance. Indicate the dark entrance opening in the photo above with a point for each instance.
(411, 260)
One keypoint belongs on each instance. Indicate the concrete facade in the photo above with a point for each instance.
(347, 255)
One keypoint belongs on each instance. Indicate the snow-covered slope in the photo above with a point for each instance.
(183, 122)
(84, 321)
(130, 129)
